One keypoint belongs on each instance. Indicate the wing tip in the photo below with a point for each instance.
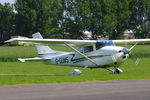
(21, 60)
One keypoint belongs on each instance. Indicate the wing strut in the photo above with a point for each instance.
(133, 46)
(81, 54)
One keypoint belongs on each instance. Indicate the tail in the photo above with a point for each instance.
(42, 50)
(45, 52)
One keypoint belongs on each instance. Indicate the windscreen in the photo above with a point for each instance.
(102, 43)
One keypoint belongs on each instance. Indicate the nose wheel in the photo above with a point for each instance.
(115, 71)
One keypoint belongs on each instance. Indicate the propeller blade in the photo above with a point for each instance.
(135, 59)
(133, 46)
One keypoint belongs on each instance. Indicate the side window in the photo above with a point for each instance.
(81, 50)
(88, 49)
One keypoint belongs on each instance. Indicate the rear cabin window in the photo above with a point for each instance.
(88, 49)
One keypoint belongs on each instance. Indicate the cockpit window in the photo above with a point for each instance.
(88, 49)
(102, 43)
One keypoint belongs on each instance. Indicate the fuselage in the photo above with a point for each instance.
(102, 53)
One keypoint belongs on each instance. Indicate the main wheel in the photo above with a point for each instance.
(75, 72)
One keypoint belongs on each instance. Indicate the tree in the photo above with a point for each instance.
(6, 22)
(37, 16)
(71, 20)
(57, 18)
(140, 18)
(121, 15)
(104, 18)
(82, 15)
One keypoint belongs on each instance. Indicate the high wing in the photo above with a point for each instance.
(71, 41)
(132, 41)
(52, 41)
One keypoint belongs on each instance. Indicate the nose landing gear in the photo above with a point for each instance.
(115, 71)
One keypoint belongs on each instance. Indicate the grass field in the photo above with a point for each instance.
(36, 72)
(8, 54)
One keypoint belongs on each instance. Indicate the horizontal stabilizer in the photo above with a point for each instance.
(32, 59)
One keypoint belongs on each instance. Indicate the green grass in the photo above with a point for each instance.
(142, 51)
(12, 53)
(36, 72)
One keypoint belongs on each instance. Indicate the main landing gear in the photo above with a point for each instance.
(111, 71)
(75, 72)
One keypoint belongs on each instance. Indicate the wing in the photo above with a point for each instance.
(52, 41)
(132, 41)
(70, 41)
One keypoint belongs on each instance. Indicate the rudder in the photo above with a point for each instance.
(40, 48)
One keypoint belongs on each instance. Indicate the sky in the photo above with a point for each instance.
(6, 1)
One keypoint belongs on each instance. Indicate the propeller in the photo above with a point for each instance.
(135, 59)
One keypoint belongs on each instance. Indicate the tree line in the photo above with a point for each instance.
(69, 18)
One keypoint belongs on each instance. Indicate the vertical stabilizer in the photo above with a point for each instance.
(42, 49)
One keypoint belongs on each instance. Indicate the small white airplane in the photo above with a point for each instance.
(89, 54)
